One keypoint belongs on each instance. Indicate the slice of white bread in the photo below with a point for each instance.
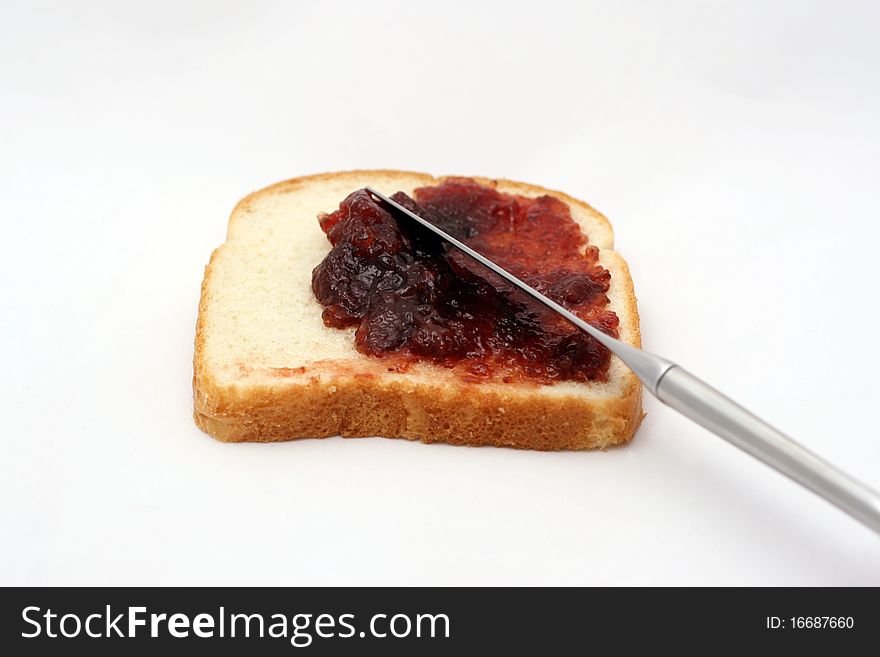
(267, 368)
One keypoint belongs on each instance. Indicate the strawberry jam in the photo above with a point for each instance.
(415, 298)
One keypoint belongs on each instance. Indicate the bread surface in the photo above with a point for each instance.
(266, 368)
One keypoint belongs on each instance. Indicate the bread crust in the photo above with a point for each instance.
(358, 404)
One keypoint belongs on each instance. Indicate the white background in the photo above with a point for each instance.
(735, 147)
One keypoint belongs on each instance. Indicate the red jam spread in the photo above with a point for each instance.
(413, 297)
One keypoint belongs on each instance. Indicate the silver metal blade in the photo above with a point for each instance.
(648, 367)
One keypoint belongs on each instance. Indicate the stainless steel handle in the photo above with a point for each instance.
(707, 407)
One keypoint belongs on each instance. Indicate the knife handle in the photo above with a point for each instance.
(700, 402)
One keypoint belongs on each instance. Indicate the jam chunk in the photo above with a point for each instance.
(414, 297)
